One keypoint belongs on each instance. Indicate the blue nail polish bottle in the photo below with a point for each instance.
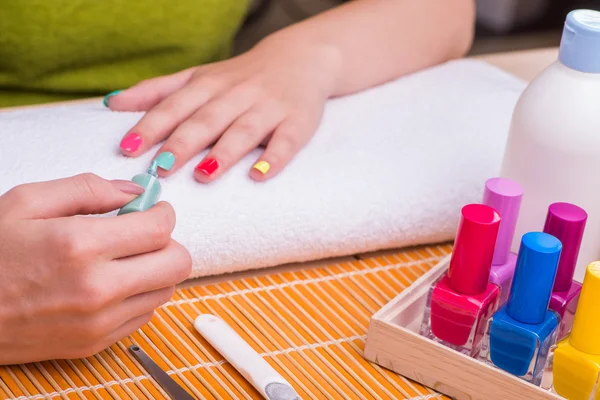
(521, 333)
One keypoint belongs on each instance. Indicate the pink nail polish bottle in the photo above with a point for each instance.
(504, 196)
(461, 301)
(566, 222)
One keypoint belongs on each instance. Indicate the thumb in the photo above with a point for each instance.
(80, 194)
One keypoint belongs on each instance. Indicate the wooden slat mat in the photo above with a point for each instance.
(309, 324)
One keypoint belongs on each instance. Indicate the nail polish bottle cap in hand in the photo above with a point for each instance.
(473, 251)
(566, 222)
(504, 196)
(585, 335)
(535, 271)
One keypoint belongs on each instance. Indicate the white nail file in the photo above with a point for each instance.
(244, 359)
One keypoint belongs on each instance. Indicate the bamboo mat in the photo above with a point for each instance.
(309, 324)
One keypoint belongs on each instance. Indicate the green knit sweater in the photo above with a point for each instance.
(64, 49)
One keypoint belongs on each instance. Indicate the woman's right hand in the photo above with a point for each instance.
(73, 285)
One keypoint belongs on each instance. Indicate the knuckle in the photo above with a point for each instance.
(161, 230)
(93, 296)
(144, 320)
(205, 82)
(88, 184)
(71, 247)
(164, 296)
(251, 123)
(289, 143)
(98, 327)
(179, 142)
(182, 262)
(159, 116)
(209, 118)
(254, 88)
(19, 194)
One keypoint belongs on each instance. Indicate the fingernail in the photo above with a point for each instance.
(166, 160)
(128, 187)
(262, 166)
(131, 142)
(208, 166)
(108, 96)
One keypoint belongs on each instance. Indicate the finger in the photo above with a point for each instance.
(113, 317)
(146, 94)
(244, 135)
(122, 332)
(289, 137)
(161, 120)
(207, 124)
(129, 234)
(148, 272)
(80, 194)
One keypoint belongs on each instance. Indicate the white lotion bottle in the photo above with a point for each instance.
(553, 147)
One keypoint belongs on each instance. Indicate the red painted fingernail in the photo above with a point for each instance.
(131, 142)
(208, 166)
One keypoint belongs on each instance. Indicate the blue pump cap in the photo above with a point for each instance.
(531, 288)
(580, 44)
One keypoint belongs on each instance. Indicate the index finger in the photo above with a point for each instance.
(131, 234)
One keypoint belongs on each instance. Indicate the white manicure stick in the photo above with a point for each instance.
(244, 359)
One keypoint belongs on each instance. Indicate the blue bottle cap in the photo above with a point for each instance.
(580, 44)
(531, 289)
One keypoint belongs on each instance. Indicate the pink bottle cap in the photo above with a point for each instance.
(566, 222)
(471, 261)
(504, 196)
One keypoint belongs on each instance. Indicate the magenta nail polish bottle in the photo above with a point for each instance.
(566, 222)
(504, 195)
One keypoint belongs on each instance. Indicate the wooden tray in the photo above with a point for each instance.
(393, 342)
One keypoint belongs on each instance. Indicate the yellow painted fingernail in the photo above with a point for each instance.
(262, 166)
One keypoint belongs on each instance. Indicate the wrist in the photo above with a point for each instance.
(312, 53)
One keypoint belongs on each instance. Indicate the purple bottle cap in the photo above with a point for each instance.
(503, 195)
(566, 222)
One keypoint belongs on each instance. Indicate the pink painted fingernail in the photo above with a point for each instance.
(131, 142)
(128, 187)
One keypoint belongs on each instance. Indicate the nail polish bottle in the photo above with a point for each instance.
(504, 196)
(149, 181)
(576, 363)
(460, 303)
(566, 222)
(521, 332)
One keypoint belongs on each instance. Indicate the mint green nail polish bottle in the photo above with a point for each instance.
(149, 181)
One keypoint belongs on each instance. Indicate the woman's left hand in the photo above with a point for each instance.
(272, 95)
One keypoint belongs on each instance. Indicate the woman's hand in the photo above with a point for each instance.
(272, 95)
(74, 285)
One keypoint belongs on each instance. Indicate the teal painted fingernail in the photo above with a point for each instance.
(164, 160)
(108, 96)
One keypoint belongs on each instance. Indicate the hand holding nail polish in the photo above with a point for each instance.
(150, 183)
(95, 279)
